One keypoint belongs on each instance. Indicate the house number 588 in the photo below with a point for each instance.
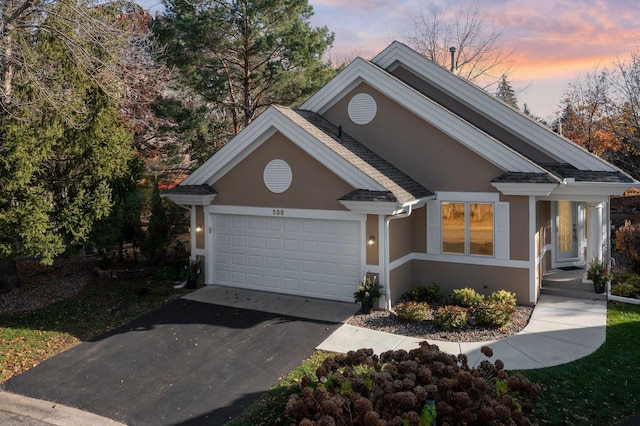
(278, 212)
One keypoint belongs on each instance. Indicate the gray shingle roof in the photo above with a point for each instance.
(401, 186)
(521, 177)
(203, 189)
(366, 195)
(564, 170)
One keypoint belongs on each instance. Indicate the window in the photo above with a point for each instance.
(467, 228)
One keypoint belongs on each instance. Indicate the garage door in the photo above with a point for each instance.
(308, 257)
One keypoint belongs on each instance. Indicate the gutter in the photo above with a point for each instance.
(402, 213)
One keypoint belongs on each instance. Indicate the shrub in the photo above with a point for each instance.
(503, 296)
(492, 313)
(426, 293)
(466, 297)
(624, 289)
(628, 244)
(450, 317)
(401, 387)
(412, 311)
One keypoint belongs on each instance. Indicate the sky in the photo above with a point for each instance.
(552, 42)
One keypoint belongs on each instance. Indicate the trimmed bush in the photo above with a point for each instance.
(495, 314)
(411, 388)
(503, 296)
(450, 317)
(466, 297)
(412, 311)
(624, 289)
(426, 293)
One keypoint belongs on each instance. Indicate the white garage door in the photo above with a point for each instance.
(308, 257)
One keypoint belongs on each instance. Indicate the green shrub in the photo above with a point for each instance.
(450, 317)
(624, 289)
(492, 313)
(426, 293)
(503, 296)
(466, 297)
(634, 280)
(412, 311)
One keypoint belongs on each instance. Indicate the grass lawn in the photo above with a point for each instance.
(600, 389)
(28, 338)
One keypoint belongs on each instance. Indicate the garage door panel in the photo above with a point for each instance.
(311, 257)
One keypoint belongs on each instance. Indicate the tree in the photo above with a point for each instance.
(157, 236)
(479, 55)
(62, 135)
(241, 56)
(584, 117)
(506, 93)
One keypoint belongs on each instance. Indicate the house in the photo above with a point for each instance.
(398, 168)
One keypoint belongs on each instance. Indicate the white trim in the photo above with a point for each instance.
(532, 250)
(593, 188)
(480, 197)
(370, 207)
(283, 212)
(256, 133)
(512, 188)
(446, 258)
(359, 71)
(480, 101)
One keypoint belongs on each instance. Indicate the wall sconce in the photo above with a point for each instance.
(198, 228)
(372, 240)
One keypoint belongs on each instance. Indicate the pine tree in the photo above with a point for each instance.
(506, 93)
(241, 56)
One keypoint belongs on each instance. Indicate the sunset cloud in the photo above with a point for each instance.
(552, 41)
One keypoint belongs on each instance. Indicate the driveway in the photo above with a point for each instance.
(189, 362)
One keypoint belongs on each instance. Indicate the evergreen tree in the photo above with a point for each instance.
(506, 93)
(241, 56)
(62, 138)
(157, 236)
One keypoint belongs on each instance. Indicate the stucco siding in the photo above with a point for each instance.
(423, 152)
(373, 257)
(519, 226)
(419, 232)
(313, 186)
(400, 236)
(200, 236)
(501, 133)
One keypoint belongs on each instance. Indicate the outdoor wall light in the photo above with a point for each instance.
(372, 240)
(198, 228)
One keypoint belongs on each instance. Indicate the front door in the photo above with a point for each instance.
(567, 242)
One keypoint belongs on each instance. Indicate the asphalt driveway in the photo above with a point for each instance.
(187, 363)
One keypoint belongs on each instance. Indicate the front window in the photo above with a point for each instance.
(467, 228)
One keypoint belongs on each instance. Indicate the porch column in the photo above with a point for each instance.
(594, 232)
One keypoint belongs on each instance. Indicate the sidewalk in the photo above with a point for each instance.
(561, 330)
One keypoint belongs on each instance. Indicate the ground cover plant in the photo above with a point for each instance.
(103, 304)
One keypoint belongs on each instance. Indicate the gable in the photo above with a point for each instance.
(467, 98)
(421, 150)
(313, 186)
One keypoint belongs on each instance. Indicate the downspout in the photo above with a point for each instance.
(387, 274)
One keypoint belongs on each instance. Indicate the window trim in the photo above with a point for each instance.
(501, 225)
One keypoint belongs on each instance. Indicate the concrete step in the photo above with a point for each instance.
(582, 292)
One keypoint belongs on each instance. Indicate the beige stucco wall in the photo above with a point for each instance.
(450, 276)
(518, 226)
(499, 132)
(200, 223)
(313, 185)
(426, 154)
(373, 257)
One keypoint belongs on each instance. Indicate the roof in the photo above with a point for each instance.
(203, 189)
(399, 185)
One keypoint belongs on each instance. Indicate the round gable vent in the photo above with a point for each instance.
(362, 108)
(277, 176)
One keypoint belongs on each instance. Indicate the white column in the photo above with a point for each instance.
(594, 232)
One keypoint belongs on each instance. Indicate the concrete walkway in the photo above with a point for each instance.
(561, 330)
